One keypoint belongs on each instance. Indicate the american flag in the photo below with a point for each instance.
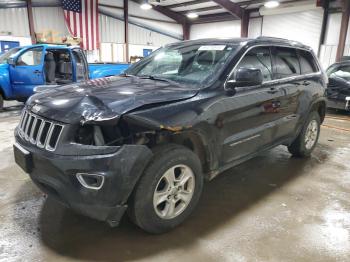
(82, 21)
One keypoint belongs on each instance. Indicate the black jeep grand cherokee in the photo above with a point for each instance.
(143, 142)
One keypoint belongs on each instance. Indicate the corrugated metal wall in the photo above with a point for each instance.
(111, 30)
(255, 27)
(15, 21)
(302, 26)
(49, 18)
(141, 36)
(217, 29)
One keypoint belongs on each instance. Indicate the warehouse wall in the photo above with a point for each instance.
(14, 27)
(219, 29)
(329, 49)
(301, 26)
(49, 18)
(304, 27)
(255, 27)
(14, 21)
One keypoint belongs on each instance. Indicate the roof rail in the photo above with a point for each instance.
(47, 43)
(277, 38)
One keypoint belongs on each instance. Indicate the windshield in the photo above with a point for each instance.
(190, 64)
(4, 57)
(341, 72)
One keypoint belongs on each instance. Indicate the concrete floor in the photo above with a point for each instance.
(272, 208)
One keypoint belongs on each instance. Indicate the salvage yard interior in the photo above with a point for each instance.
(174, 130)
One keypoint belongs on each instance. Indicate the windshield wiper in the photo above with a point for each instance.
(153, 77)
(125, 75)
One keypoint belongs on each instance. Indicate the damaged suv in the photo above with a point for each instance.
(144, 141)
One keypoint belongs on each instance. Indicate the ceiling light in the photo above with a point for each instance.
(192, 15)
(146, 6)
(271, 4)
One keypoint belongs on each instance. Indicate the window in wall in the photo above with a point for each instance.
(258, 58)
(307, 62)
(286, 62)
(31, 57)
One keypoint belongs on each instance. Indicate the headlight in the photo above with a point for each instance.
(90, 135)
(85, 135)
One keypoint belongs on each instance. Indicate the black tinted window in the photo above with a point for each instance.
(258, 58)
(307, 62)
(286, 62)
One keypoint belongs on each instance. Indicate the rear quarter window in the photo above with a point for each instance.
(307, 62)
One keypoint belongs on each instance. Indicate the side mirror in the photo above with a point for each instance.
(11, 61)
(244, 77)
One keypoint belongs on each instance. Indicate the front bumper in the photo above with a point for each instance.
(56, 175)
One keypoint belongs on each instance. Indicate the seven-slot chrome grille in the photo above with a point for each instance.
(39, 131)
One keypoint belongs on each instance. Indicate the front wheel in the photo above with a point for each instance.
(1, 102)
(305, 143)
(168, 191)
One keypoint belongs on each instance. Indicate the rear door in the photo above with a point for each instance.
(80, 65)
(27, 71)
(288, 84)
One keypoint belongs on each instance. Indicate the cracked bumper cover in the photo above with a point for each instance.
(56, 175)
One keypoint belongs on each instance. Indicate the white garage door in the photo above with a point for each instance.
(304, 27)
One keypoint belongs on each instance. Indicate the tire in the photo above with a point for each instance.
(300, 146)
(154, 185)
(1, 102)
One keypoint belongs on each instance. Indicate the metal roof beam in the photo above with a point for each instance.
(231, 7)
(186, 4)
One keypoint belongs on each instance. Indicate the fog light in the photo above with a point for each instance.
(91, 181)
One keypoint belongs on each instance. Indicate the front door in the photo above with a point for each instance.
(250, 113)
(27, 72)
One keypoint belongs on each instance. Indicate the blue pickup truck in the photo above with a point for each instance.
(23, 68)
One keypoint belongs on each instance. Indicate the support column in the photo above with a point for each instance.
(325, 6)
(244, 23)
(31, 21)
(126, 30)
(186, 29)
(343, 29)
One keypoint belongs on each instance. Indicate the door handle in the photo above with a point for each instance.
(306, 83)
(272, 90)
(37, 72)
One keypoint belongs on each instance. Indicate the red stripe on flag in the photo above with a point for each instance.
(92, 24)
(97, 28)
(86, 26)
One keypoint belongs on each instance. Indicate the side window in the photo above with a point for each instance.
(258, 58)
(31, 57)
(80, 65)
(307, 62)
(286, 62)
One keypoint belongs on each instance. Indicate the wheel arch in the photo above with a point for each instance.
(320, 107)
(196, 143)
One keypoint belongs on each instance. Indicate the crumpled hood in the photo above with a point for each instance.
(104, 99)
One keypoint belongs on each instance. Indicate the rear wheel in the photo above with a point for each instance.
(168, 191)
(305, 143)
